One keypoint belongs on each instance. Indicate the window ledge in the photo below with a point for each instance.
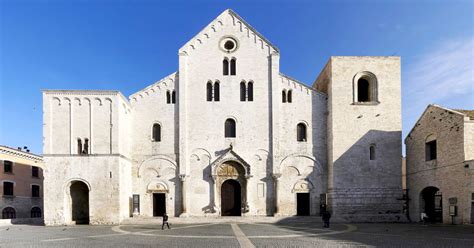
(431, 162)
(9, 196)
(366, 103)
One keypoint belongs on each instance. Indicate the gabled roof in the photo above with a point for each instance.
(215, 24)
(466, 113)
(20, 153)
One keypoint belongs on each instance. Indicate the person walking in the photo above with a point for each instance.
(326, 216)
(424, 218)
(165, 221)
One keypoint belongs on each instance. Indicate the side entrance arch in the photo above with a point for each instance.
(158, 190)
(79, 193)
(432, 204)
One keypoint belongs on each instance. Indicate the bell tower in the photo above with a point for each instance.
(364, 137)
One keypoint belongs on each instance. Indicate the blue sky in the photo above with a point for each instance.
(127, 45)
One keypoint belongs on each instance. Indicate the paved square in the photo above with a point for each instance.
(283, 234)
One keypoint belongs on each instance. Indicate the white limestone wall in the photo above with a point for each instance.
(149, 107)
(125, 188)
(103, 118)
(158, 170)
(204, 121)
(301, 161)
(93, 115)
(100, 173)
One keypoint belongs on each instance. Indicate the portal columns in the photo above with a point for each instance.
(182, 178)
(216, 209)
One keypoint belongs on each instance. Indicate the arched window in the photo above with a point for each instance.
(173, 97)
(283, 96)
(168, 97)
(290, 96)
(216, 91)
(209, 91)
(250, 91)
(365, 87)
(301, 132)
(242, 91)
(8, 213)
(86, 147)
(233, 68)
(79, 146)
(156, 133)
(372, 152)
(225, 66)
(363, 90)
(229, 128)
(36, 212)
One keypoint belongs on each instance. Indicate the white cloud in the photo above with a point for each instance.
(440, 76)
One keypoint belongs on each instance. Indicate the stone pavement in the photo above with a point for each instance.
(221, 219)
(283, 233)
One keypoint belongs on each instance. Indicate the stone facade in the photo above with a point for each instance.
(21, 176)
(291, 143)
(451, 172)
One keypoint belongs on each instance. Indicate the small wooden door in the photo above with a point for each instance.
(302, 204)
(159, 204)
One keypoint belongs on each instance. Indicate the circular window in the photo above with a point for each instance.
(228, 44)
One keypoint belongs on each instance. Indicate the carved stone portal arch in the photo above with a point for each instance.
(302, 186)
(157, 186)
(230, 170)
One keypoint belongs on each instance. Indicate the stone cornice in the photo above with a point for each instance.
(87, 92)
(87, 156)
(301, 83)
(171, 77)
(20, 154)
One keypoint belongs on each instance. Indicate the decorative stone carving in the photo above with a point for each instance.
(302, 187)
(157, 187)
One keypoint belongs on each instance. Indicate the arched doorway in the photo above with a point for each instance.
(231, 198)
(80, 202)
(432, 204)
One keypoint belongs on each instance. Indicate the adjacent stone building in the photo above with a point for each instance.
(21, 184)
(440, 165)
(229, 134)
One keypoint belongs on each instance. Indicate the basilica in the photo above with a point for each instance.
(228, 134)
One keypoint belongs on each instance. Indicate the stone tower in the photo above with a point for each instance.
(363, 137)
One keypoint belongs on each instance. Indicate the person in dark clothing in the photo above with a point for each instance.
(165, 221)
(326, 216)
